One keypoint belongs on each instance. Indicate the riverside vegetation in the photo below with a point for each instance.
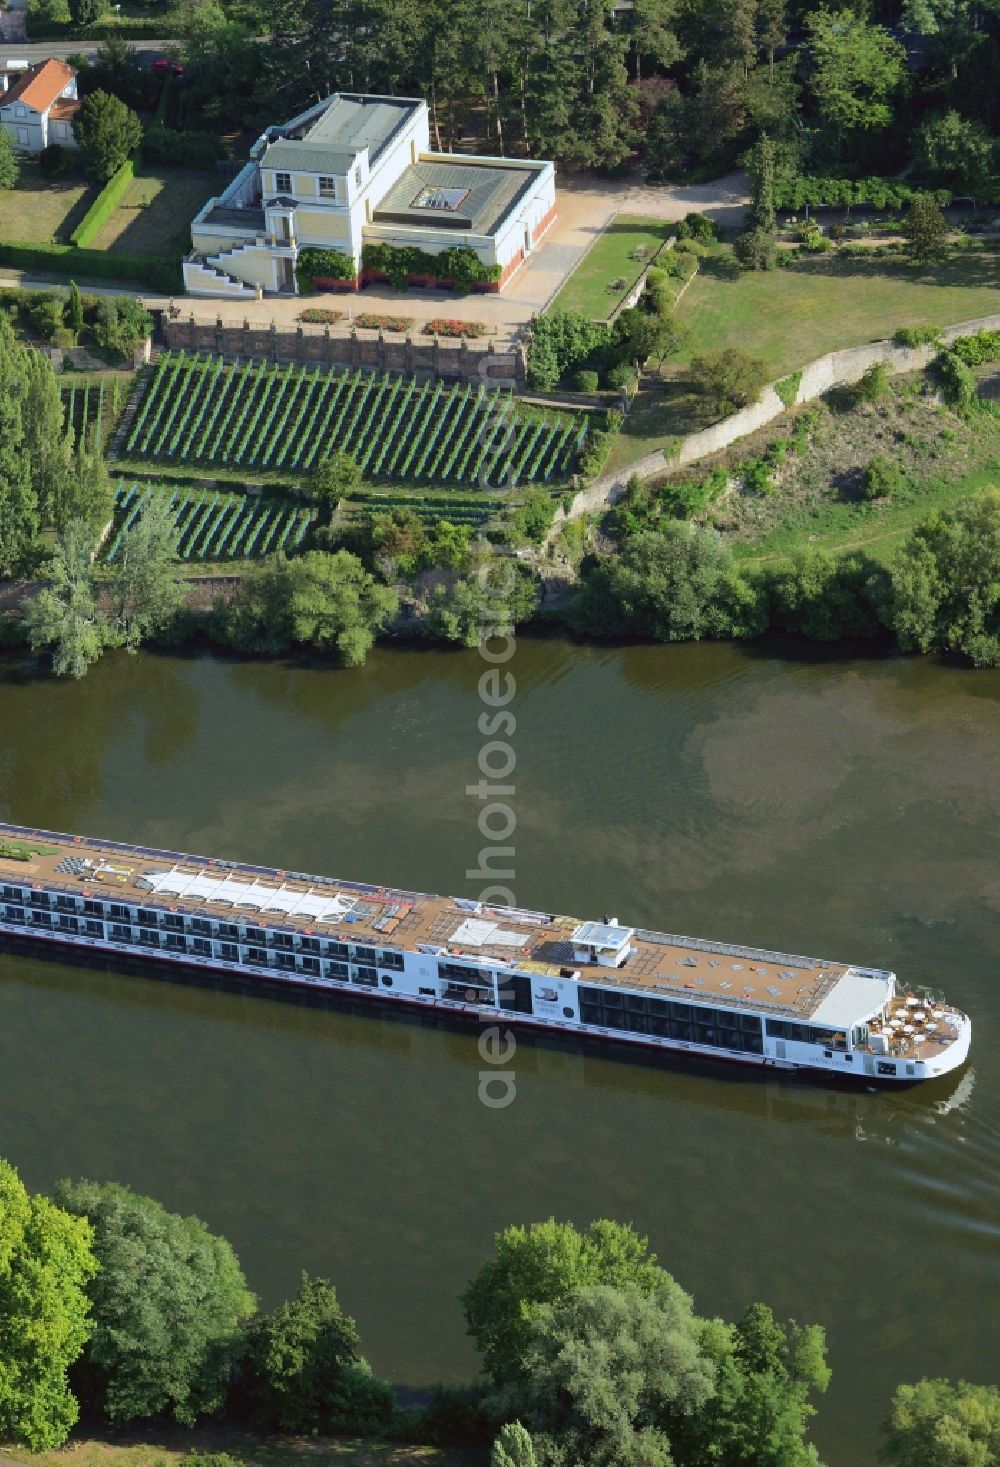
(590, 1351)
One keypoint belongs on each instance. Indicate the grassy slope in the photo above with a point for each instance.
(167, 1446)
(789, 317)
(586, 289)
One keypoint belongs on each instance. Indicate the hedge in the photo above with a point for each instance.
(65, 30)
(845, 193)
(459, 265)
(321, 265)
(104, 205)
(160, 272)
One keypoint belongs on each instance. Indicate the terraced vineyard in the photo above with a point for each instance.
(458, 510)
(214, 526)
(205, 412)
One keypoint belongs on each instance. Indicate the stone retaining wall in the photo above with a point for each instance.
(836, 369)
(421, 356)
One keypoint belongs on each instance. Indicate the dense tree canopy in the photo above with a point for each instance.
(939, 1424)
(543, 1264)
(46, 1265)
(108, 132)
(946, 583)
(169, 1300)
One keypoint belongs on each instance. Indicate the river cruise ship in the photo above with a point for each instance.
(602, 980)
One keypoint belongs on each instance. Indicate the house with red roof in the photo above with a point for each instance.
(38, 104)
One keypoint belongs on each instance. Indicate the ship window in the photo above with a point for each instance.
(149, 936)
(282, 940)
(591, 995)
(386, 979)
(257, 955)
(635, 1003)
(884, 1068)
(176, 943)
(201, 946)
(679, 1030)
(612, 1000)
(173, 922)
(13, 893)
(42, 919)
(118, 912)
(229, 930)
(310, 965)
(338, 949)
(568, 1014)
(40, 899)
(368, 975)
(94, 909)
(391, 960)
(229, 951)
(14, 914)
(147, 918)
(285, 961)
(66, 903)
(310, 945)
(337, 970)
(68, 924)
(256, 934)
(199, 924)
(614, 1020)
(94, 928)
(364, 955)
(590, 1014)
(638, 1023)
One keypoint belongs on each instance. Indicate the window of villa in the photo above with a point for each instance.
(327, 187)
(283, 183)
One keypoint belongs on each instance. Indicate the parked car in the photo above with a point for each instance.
(163, 66)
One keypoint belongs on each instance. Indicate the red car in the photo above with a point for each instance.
(163, 66)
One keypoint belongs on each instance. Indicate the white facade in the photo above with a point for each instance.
(37, 106)
(321, 180)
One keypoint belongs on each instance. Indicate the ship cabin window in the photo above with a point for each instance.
(40, 899)
(257, 955)
(202, 926)
(229, 952)
(514, 992)
(149, 937)
(13, 914)
(118, 913)
(68, 924)
(93, 927)
(173, 922)
(807, 1034)
(884, 1067)
(285, 961)
(310, 945)
(311, 965)
(337, 970)
(367, 977)
(229, 931)
(391, 960)
(463, 973)
(12, 893)
(667, 1019)
(338, 949)
(364, 955)
(93, 908)
(41, 919)
(65, 904)
(147, 918)
(201, 946)
(175, 942)
(256, 934)
(282, 940)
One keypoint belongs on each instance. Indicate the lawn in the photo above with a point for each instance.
(789, 317)
(610, 259)
(43, 210)
(156, 211)
(167, 1446)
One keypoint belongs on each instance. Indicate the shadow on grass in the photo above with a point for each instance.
(978, 269)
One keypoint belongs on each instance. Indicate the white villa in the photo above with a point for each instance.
(38, 104)
(358, 170)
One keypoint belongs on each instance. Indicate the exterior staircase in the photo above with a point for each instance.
(203, 276)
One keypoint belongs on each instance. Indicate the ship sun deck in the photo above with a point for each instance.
(687, 968)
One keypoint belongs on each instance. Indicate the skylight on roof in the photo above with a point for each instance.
(449, 199)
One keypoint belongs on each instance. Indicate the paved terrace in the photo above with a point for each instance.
(534, 942)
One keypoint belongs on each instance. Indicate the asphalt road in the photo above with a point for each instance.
(40, 50)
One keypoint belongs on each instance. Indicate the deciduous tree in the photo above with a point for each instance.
(143, 585)
(10, 166)
(936, 1423)
(64, 616)
(169, 1301)
(46, 1265)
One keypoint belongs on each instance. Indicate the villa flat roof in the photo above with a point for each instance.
(688, 968)
(481, 195)
(307, 157)
(354, 121)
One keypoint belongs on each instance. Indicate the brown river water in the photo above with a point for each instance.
(843, 807)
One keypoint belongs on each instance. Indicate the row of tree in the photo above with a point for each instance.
(678, 581)
(591, 1351)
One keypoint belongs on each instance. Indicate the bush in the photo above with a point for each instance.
(958, 381)
(873, 386)
(459, 265)
(450, 327)
(371, 321)
(622, 374)
(977, 350)
(883, 478)
(158, 271)
(699, 227)
(788, 388)
(314, 266)
(728, 379)
(916, 335)
(585, 381)
(756, 249)
(320, 314)
(52, 160)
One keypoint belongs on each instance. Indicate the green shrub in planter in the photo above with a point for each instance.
(585, 381)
